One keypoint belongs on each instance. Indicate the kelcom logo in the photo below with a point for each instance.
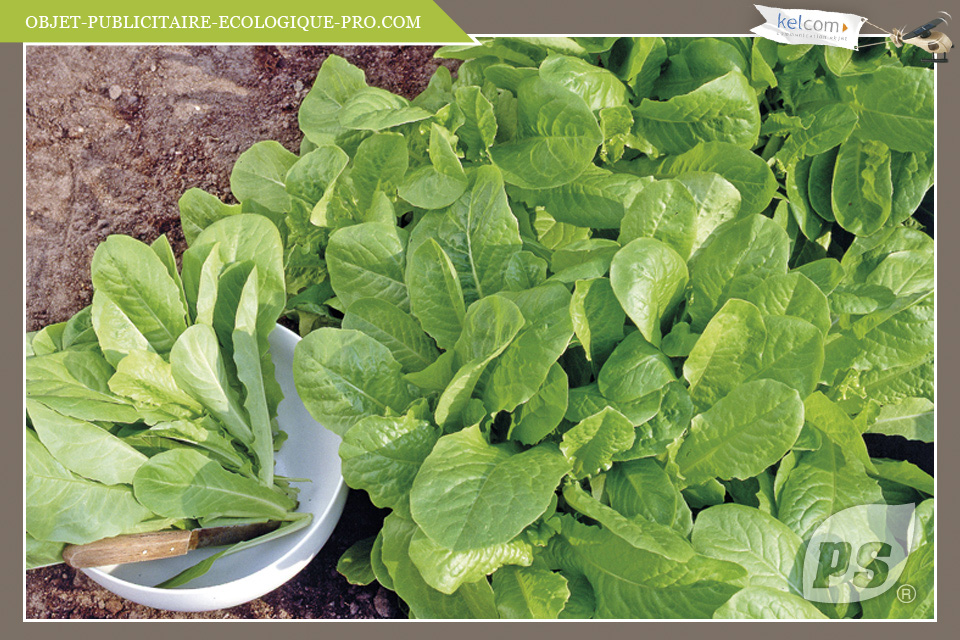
(858, 553)
(808, 26)
(799, 24)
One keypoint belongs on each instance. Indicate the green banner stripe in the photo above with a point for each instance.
(354, 22)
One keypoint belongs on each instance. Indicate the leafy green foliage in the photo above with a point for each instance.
(641, 277)
(766, 603)
(148, 412)
(456, 496)
(529, 593)
(616, 314)
(724, 109)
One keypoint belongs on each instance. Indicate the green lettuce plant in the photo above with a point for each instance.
(616, 314)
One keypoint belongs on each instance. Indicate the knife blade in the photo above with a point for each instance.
(140, 547)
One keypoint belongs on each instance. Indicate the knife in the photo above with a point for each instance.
(139, 547)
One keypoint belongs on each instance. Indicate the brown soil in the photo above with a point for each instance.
(114, 136)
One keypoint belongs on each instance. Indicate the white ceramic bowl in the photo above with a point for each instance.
(309, 452)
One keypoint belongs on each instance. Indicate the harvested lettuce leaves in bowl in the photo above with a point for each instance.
(309, 452)
(169, 404)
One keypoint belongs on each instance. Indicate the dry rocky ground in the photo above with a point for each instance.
(114, 136)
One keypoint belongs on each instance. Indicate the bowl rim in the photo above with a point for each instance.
(266, 577)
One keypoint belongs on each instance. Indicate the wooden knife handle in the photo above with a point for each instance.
(136, 547)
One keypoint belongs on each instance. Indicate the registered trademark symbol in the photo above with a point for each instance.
(906, 593)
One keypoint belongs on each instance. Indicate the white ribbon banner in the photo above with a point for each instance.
(803, 26)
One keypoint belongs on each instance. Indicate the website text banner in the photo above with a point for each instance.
(299, 21)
